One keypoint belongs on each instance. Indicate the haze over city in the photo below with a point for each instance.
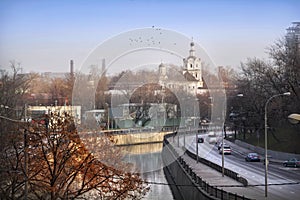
(150, 99)
(45, 35)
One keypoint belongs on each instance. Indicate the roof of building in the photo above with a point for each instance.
(189, 77)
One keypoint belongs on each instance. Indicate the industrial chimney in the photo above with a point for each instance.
(72, 68)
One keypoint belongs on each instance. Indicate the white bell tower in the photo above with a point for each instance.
(192, 65)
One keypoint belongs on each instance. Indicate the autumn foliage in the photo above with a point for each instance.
(65, 164)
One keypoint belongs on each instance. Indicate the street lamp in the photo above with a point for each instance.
(224, 132)
(294, 118)
(223, 116)
(107, 115)
(266, 139)
(185, 119)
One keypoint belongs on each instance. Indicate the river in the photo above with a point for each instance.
(147, 158)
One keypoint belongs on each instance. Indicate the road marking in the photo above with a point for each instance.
(290, 168)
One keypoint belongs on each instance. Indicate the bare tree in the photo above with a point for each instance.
(260, 79)
(13, 87)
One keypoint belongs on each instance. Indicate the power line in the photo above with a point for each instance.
(168, 184)
(197, 185)
(13, 120)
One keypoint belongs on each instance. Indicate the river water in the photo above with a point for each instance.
(158, 191)
(147, 158)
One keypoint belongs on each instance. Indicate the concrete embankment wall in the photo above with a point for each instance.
(185, 181)
(179, 179)
(138, 138)
(273, 154)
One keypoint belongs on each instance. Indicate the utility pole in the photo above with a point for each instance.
(25, 165)
(223, 116)
(197, 154)
(266, 139)
(25, 157)
(222, 153)
(107, 116)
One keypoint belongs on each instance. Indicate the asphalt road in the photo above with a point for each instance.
(283, 182)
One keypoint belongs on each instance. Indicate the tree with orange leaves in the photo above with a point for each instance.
(62, 165)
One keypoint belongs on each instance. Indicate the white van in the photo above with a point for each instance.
(212, 139)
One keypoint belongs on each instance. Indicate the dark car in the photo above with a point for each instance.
(252, 157)
(200, 140)
(293, 162)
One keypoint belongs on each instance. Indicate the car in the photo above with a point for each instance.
(200, 139)
(293, 162)
(252, 157)
(227, 149)
(211, 134)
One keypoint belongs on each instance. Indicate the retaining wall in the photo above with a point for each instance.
(190, 185)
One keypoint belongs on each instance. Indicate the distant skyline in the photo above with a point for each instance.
(45, 35)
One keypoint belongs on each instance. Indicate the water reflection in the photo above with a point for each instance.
(158, 191)
(147, 159)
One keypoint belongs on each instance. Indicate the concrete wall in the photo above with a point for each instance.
(182, 182)
(138, 138)
(187, 183)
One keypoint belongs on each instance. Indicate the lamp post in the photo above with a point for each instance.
(223, 132)
(107, 116)
(210, 108)
(197, 154)
(266, 139)
(223, 116)
(223, 153)
(185, 119)
(294, 118)
(196, 128)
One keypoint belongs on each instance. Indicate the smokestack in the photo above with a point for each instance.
(71, 67)
(103, 72)
(103, 66)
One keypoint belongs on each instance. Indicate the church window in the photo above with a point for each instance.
(191, 65)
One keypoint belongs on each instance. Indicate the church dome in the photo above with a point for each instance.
(161, 65)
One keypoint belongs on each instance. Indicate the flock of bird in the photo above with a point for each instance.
(150, 41)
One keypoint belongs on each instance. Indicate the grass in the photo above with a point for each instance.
(288, 139)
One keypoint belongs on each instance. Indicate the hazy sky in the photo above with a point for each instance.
(46, 35)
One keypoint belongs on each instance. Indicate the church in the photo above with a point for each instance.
(188, 79)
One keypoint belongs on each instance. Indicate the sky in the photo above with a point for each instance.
(45, 35)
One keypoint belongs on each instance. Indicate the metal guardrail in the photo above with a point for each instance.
(217, 167)
(214, 192)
